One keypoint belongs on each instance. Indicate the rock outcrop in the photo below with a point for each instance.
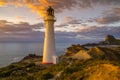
(81, 55)
(104, 53)
(74, 49)
(109, 39)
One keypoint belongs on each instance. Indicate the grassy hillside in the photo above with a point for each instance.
(77, 70)
(91, 70)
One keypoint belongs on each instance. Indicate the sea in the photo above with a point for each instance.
(15, 51)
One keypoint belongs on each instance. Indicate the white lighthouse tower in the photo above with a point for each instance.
(49, 41)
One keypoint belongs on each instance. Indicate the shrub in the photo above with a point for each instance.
(46, 76)
(30, 78)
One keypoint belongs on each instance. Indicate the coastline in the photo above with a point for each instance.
(30, 67)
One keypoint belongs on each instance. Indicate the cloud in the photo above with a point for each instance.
(38, 25)
(3, 22)
(109, 16)
(108, 19)
(83, 34)
(21, 31)
(100, 32)
(40, 6)
(24, 31)
(68, 21)
(117, 11)
(61, 25)
(19, 17)
(71, 20)
(15, 27)
(6, 26)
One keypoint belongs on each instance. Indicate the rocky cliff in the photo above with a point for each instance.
(105, 53)
(110, 39)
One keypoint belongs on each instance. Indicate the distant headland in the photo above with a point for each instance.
(109, 40)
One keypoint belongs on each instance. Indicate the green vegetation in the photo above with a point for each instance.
(78, 70)
(23, 71)
(83, 69)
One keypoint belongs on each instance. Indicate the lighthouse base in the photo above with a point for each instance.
(47, 63)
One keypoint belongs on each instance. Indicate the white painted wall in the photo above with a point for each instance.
(49, 40)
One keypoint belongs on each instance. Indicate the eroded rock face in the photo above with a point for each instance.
(81, 55)
(104, 53)
(74, 49)
(110, 39)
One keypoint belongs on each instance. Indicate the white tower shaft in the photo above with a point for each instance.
(49, 42)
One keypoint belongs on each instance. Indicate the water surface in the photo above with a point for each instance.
(13, 52)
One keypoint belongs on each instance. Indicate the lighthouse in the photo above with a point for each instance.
(49, 51)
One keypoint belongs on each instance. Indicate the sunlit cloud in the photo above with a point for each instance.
(40, 6)
(19, 17)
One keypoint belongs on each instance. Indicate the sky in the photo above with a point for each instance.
(80, 21)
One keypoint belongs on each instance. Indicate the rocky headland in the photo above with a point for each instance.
(109, 40)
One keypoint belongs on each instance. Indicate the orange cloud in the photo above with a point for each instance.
(19, 17)
(3, 2)
(40, 6)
